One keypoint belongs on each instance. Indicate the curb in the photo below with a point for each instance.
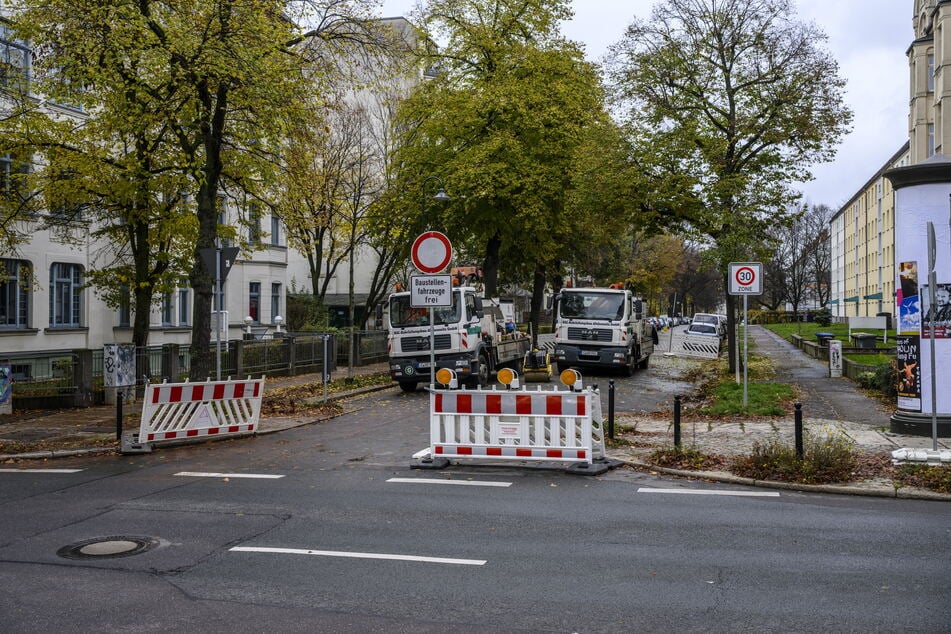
(844, 489)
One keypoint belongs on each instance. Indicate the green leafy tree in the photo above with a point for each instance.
(733, 100)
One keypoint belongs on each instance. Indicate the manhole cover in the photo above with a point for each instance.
(108, 547)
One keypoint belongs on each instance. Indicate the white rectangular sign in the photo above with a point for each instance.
(746, 278)
(430, 290)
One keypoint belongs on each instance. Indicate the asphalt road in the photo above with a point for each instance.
(336, 533)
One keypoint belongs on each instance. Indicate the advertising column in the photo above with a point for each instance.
(923, 353)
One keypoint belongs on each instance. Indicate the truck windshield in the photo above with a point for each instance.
(581, 305)
(403, 315)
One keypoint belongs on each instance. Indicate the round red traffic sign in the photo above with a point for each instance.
(431, 252)
(745, 276)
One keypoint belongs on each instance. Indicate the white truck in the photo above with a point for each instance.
(602, 327)
(470, 338)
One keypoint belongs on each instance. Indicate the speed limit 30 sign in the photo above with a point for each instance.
(746, 278)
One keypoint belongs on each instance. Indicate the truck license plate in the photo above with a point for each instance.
(588, 353)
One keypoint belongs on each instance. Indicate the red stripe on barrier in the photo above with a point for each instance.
(239, 390)
(582, 453)
(169, 435)
(233, 429)
(523, 404)
(523, 453)
(257, 388)
(438, 448)
(465, 451)
(493, 403)
(214, 430)
(191, 432)
(581, 405)
(553, 405)
(438, 403)
(155, 395)
(198, 392)
(493, 451)
(175, 394)
(219, 391)
(151, 437)
(464, 403)
(553, 453)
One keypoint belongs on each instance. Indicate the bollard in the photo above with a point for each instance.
(677, 421)
(120, 396)
(611, 409)
(798, 417)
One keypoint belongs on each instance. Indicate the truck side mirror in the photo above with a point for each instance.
(479, 311)
(638, 309)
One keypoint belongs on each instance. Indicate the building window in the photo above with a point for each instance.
(66, 282)
(275, 301)
(14, 63)
(275, 230)
(183, 315)
(254, 301)
(254, 223)
(930, 139)
(13, 169)
(14, 294)
(167, 309)
(931, 72)
(125, 307)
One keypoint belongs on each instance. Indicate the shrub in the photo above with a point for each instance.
(827, 457)
(823, 316)
(935, 478)
(680, 458)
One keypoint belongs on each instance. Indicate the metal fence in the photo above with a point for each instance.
(60, 378)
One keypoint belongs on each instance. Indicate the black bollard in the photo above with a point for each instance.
(677, 421)
(798, 417)
(611, 409)
(119, 399)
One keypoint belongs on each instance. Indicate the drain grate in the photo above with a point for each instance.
(108, 547)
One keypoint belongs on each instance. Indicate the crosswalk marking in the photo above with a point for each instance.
(200, 474)
(40, 470)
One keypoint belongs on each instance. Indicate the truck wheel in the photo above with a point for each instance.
(629, 365)
(408, 386)
(482, 373)
(643, 363)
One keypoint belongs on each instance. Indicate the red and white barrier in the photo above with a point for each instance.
(521, 425)
(180, 411)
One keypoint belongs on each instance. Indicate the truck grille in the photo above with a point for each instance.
(589, 334)
(415, 344)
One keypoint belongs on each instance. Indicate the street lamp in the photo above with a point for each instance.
(442, 197)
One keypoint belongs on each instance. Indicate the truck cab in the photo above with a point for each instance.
(602, 327)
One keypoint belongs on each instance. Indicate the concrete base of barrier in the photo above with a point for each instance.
(428, 462)
(600, 466)
(130, 444)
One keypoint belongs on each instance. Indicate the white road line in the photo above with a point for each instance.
(765, 494)
(338, 553)
(199, 474)
(40, 470)
(473, 483)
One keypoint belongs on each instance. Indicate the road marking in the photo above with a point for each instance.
(474, 483)
(40, 470)
(199, 474)
(352, 555)
(766, 494)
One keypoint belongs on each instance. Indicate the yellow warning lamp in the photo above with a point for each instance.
(398, 287)
(447, 378)
(571, 379)
(508, 378)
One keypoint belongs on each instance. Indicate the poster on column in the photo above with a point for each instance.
(908, 360)
(939, 313)
(906, 299)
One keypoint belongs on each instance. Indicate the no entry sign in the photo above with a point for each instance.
(746, 278)
(431, 252)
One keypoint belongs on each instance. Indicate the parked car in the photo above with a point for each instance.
(703, 328)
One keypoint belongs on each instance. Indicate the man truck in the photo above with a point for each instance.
(470, 338)
(602, 327)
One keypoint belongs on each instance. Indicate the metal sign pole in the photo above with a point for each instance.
(218, 320)
(432, 350)
(746, 350)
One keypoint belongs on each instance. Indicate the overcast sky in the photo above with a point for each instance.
(868, 38)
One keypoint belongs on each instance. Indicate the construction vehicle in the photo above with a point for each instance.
(470, 338)
(602, 327)
(537, 365)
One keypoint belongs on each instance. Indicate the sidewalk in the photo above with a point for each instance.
(828, 404)
(89, 430)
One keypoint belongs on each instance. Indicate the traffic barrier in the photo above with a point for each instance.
(703, 346)
(182, 411)
(551, 425)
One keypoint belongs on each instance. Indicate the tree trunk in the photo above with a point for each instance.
(730, 328)
(490, 269)
(538, 300)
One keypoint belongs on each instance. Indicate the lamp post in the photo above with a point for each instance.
(442, 197)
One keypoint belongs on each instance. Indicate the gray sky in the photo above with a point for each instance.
(867, 37)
